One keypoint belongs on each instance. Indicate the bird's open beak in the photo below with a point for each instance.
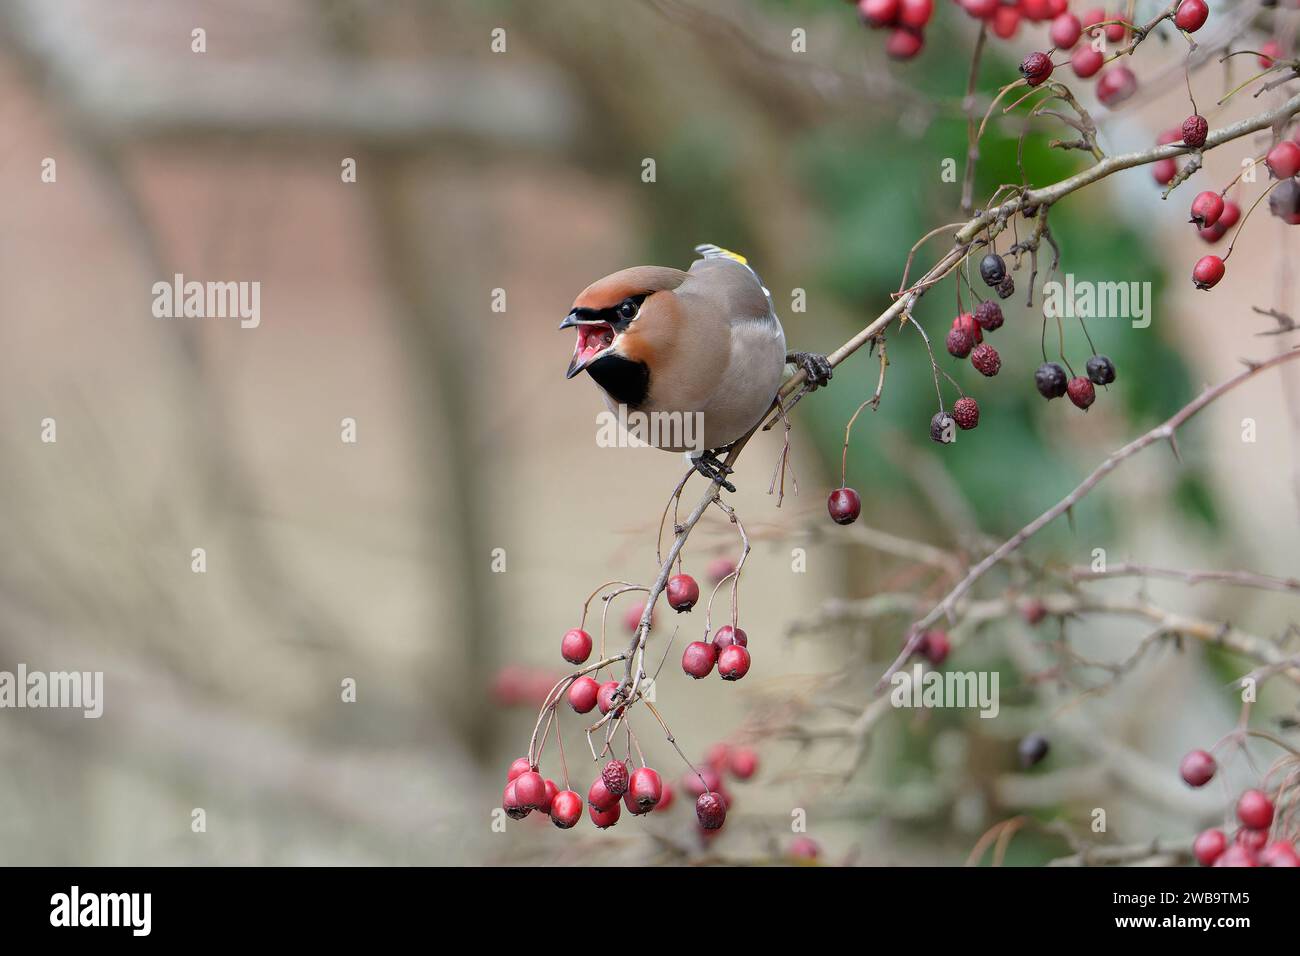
(594, 336)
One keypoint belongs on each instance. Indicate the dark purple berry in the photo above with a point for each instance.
(1050, 380)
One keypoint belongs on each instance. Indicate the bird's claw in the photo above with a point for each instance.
(711, 468)
(816, 368)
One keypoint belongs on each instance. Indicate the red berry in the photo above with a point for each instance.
(1086, 61)
(511, 805)
(1279, 854)
(1268, 52)
(1164, 171)
(551, 791)
(698, 659)
(844, 505)
(1236, 855)
(576, 646)
(1036, 10)
(1081, 392)
(1207, 272)
(803, 848)
(980, 9)
(720, 569)
(744, 763)
(959, 343)
(1209, 846)
(605, 697)
(1115, 31)
(904, 43)
(1195, 128)
(1191, 15)
(1283, 160)
(1116, 85)
(1172, 135)
(733, 662)
(710, 811)
(1056, 7)
(1231, 213)
(599, 796)
(1006, 21)
(988, 316)
(1197, 768)
(878, 13)
(726, 636)
(530, 790)
(1207, 207)
(566, 809)
(615, 777)
(1255, 810)
(986, 360)
(521, 765)
(632, 618)
(1036, 68)
(966, 412)
(703, 782)
(1090, 18)
(606, 817)
(718, 757)
(967, 321)
(1033, 611)
(915, 13)
(935, 647)
(1065, 31)
(582, 694)
(645, 789)
(683, 592)
(1252, 840)
(666, 799)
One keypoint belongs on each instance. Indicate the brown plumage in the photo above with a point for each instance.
(704, 342)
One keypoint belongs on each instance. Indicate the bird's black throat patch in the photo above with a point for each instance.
(625, 380)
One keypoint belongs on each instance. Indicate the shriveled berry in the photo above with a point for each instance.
(1197, 768)
(943, 428)
(1207, 207)
(993, 269)
(606, 817)
(989, 316)
(1007, 287)
(1116, 85)
(744, 763)
(1195, 128)
(698, 659)
(1032, 750)
(1191, 15)
(683, 592)
(1207, 272)
(1283, 160)
(986, 360)
(1209, 846)
(1255, 810)
(935, 647)
(1284, 201)
(582, 694)
(644, 789)
(844, 505)
(1065, 31)
(710, 811)
(1081, 392)
(725, 636)
(1036, 68)
(959, 343)
(1101, 370)
(1085, 61)
(733, 662)
(615, 777)
(575, 646)
(966, 412)
(605, 697)
(1050, 380)
(566, 809)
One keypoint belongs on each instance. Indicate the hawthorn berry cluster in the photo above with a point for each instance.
(1263, 837)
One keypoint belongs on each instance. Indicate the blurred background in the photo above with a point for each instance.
(438, 559)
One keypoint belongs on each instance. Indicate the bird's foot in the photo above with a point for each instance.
(714, 470)
(816, 368)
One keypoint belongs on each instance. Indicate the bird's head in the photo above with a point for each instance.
(621, 315)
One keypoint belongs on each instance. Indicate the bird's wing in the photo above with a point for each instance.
(743, 293)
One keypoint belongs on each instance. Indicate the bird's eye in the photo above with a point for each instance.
(627, 309)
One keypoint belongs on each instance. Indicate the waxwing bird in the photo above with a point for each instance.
(704, 343)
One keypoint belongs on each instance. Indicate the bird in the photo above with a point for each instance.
(704, 342)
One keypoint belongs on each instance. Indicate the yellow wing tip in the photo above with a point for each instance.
(709, 251)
